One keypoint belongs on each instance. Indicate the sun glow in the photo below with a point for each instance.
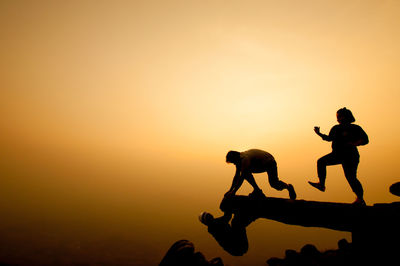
(111, 107)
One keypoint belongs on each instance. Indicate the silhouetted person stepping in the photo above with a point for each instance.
(255, 161)
(345, 138)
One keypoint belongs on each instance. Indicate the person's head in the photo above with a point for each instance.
(233, 157)
(344, 116)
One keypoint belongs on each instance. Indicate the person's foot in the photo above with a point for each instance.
(360, 202)
(292, 193)
(317, 185)
(257, 194)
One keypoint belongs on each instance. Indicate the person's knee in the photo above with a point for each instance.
(355, 183)
(357, 188)
(278, 185)
(321, 162)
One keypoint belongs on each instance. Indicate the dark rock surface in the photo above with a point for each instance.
(181, 253)
(375, 229)
(336, 216)
(310, 255)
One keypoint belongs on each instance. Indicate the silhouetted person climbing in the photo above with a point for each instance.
(345, 138)
(255, 161)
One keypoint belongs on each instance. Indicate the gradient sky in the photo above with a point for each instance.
(117, 105)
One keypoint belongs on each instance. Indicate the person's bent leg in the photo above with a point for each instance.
(321, 168)
(274, 180)
(350, 172)
(277, 184)
(322, 163)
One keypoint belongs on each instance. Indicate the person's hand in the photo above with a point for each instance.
(316, 129)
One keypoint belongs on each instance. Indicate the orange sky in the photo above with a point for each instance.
(155, 93)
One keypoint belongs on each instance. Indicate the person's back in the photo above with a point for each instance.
(343, 135)
(256, 161)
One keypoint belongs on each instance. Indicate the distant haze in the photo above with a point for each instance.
(116, 117)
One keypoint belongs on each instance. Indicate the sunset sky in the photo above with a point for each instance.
(109, 107)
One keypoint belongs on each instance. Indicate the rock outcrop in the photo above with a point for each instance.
(181, 253)
(375, 229)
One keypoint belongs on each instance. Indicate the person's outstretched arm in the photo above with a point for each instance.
(323, 136)
(236, 183)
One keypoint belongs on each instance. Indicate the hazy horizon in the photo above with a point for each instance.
(117, 116)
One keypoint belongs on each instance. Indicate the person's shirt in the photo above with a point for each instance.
(256, 161)
(342, 135)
